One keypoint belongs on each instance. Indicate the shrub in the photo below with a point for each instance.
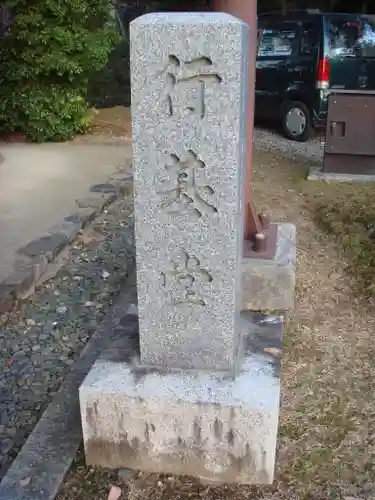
(52, 49)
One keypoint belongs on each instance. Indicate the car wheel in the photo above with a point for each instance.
(296, 121)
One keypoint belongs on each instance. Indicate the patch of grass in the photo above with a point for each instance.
(349, 215)
(290, 336)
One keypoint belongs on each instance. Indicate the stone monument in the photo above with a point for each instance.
(202, 398)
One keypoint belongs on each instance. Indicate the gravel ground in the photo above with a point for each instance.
(40, 342)
(266, 139)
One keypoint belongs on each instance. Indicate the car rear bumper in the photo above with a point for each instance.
(320, 111)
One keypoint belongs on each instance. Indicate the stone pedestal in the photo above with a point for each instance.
(206, 424)
(269, 284)
(201, 398)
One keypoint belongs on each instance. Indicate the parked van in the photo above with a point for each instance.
(302, 56)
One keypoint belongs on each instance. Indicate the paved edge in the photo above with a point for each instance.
(41, 465)
(36, 258)
(320, 175)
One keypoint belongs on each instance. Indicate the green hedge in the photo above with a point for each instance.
(53, 48)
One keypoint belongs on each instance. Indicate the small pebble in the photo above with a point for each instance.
(61, 310)
(125, 474)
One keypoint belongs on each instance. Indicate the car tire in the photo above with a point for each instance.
(296, 121)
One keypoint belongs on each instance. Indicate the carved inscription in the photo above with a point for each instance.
(184, 279)
(195, 74)
(183, 192)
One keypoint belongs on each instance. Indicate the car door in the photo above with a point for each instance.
(276, 60)
(305, 86)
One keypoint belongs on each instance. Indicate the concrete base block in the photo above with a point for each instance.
(270, 284)
(204, 424)
(316, 174)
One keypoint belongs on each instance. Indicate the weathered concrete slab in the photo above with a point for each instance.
(269, 285)
(188, 108)
(316, 174)
(201, 423)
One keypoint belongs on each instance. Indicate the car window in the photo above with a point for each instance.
(309, 39)
(343, 37)
(351, 38)
(366, 41)
(276, 42)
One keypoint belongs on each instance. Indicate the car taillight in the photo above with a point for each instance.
(323, 73)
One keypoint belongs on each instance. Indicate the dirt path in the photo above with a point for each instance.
(109, 126)
(327, 431)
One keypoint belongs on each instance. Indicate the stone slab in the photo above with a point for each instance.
(199, 423)
(50, 449)
(188, 110)
(269, 285)
(316, 174)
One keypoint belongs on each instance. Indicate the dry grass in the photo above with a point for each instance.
(350, 216)
(326, 448)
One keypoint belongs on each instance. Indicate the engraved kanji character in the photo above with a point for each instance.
(184, 278)
(198, 72)
(185, 193)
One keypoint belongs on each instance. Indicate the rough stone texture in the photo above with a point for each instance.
(188, 100)
(45, 244)
(270, 284)
(103, 188)
(26, 273)
(317, 174)
(91, 202)
(199, 423)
